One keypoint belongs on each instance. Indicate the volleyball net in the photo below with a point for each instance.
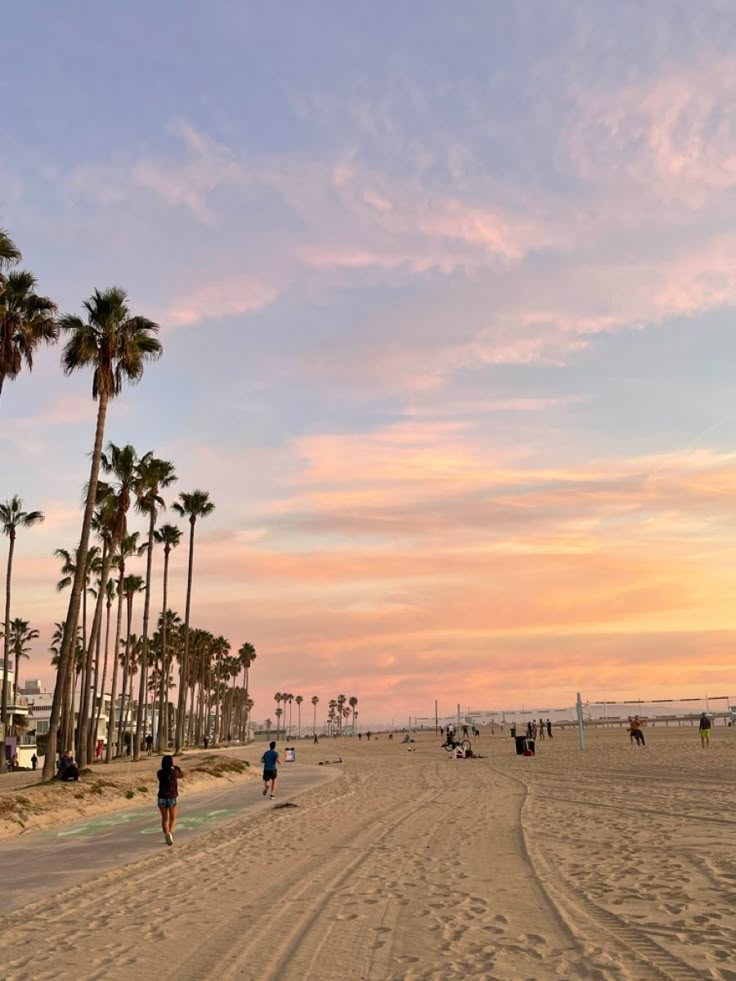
(596, 712)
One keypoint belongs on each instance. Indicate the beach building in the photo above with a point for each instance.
(18, 738)
(39, 707)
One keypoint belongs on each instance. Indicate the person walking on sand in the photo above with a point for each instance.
(704, 729)
(549, 729)
(168, 793)
(637, 732)
(271, 762)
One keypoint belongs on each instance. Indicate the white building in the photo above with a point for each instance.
(18, 739)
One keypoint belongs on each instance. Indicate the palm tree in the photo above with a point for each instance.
(153, 476)
(193, 506)
(9, 252)
(12, 517)
(288, 699)
(109, 524)
(169, 536)
(110, 520)
(21, 635)
(127, 549)
(246, 655)
(341, 699)
(315, 703)
(278, 698)
(279, 713)
(27, 320)
(68, 568)
(131, 585)
(109, 593)
(299, 699)
(116, 346)
(353, 703)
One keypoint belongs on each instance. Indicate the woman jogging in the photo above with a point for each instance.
(168, 792)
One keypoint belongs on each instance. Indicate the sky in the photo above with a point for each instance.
(446, 294)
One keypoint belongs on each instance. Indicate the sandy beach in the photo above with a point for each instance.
(613, 863)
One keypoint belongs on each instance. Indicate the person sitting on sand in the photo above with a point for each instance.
(168, 793)
(704, 729)
(67, 768)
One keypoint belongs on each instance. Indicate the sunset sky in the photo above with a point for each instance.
(447, 299)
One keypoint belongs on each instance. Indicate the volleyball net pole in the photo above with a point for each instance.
(581, 730)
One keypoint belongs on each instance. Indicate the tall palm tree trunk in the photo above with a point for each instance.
(6, 653)
(66, 656)
(163, 701)
(84, 740)
(95, 728)
(115, 657)
(185, 655)
(191, 714)
(125, 710)
(142, 699)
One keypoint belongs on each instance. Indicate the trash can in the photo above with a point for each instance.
(530, 744)
(290, 754)
(513, 732)
(520, 745)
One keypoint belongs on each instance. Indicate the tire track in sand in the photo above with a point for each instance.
(575, 909)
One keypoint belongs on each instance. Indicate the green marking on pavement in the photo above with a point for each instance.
(97, 825)
(192, 822)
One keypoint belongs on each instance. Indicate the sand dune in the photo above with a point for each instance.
(616, 863)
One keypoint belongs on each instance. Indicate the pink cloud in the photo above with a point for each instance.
(223, 298)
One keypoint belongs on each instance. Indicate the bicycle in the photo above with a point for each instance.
(450, 747)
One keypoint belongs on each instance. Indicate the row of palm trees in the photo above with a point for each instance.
(116, 346)
(340, 709)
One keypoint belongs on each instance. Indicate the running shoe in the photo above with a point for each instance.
(265, 791)
(272, 796)
(169, 838)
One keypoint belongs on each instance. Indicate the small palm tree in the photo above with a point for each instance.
(353, 703)
(278, 698)
(127, 549)
(116, 346)
(246, 656)
(21, 635)
(12, 517)
(110, 520)
(299, 699)
(193, 506)
(169, 536)
(27, 320)
(131, 586)
(315, 703)
(289, 699)
(153, 475)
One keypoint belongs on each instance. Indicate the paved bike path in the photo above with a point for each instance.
(55, 859)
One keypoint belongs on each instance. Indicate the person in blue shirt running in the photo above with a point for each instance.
(271, 761)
